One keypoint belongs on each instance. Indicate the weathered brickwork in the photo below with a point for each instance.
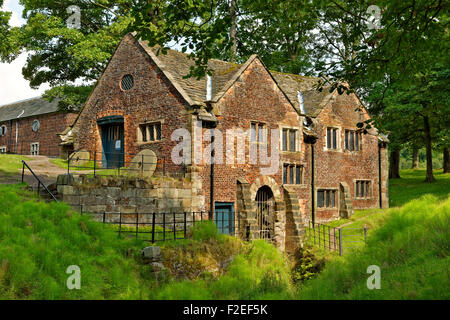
(152, 98)
(46, 136)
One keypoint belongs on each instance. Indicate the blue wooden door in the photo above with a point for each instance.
(112, 143)
(224, 217)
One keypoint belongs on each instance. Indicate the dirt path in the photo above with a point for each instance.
(42, 167)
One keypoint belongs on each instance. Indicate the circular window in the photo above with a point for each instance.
(35, 125)
(3, 130)
(127, 82)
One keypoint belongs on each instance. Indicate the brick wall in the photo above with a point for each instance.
(46, 136)
(152, 98)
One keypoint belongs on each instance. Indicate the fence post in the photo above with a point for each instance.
(104, 214)
(185, 225)
(329, 238)
(365, 234)
(174, 227)
(164, 226)
(318, 234)
(314, 232)
(340, 241)
(95, 161)
(324, 238)
(153, 228)
(23, 170)
(137, 224)
(68, 165)
(120, 222)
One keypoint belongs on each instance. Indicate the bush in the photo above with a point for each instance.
(306, 265)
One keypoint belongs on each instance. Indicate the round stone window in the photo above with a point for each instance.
(127, 82)
(35, 125)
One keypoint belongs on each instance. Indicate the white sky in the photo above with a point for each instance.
(13, 87)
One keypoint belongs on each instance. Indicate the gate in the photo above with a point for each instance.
(265, 208)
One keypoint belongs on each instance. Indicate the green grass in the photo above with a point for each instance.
(10, 164)
(40, 241)
(411, 247)
(412, 186)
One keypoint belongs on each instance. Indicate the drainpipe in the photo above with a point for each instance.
(17, 128)
(379, 175)
(10, 135)
(211, 178)
(313, 193)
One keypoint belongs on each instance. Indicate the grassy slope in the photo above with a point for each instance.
(410, 243)
(11, 164)
(38, 241)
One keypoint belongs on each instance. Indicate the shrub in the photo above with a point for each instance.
(306, 264)
(204, 230)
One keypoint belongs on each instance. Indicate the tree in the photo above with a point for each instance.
(68, 59)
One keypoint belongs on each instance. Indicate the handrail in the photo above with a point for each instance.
(37, 178)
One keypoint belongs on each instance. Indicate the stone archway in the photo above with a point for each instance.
(279, 211)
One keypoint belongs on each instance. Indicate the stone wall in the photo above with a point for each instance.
(128, 196)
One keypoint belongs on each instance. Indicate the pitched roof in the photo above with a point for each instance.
(27, 108)
(175, 65)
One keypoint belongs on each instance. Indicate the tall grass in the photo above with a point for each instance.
(39, 241)
(411, 248)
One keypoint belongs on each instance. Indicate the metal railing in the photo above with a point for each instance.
(336, 239)
(24, 164)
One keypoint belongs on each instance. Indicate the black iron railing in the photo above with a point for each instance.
(39, 182)
(336, 239)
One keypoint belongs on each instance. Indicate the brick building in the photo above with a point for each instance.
(31, 127)
(142, 98)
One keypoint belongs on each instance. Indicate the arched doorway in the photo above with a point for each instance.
(265, 212)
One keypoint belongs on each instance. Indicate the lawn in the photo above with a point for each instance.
(10, 164)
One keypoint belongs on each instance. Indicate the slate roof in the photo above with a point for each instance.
(27, 108)
(175, 65)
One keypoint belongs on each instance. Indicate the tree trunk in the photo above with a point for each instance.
(233, 40)
(446, 160)
(415, 158)
(394, 164)
(430, 177)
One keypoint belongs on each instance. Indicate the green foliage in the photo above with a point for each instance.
(307, 264)
(262, 272)
(40, 241)
(204, 230)
(411, 249)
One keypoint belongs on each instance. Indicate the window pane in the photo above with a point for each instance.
(333, 199)
(284, 140)
(261, 133)
(357, 189)
(329, 138)
(368, 193)
(334, 138)
(292, 140)
(291, 175)
(297, 175)
(357, 141)
(253, 132)
(144, 133)
(151, 130)
(158, 131)
(328, 198)
(362, 189)
(285, 167)
(346, 139)
(352, 136)
(320, 198)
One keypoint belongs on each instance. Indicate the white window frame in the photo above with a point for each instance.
(147, 131)
(3, 149)
(34, 151)
(370, 189)
(336, 200)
